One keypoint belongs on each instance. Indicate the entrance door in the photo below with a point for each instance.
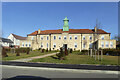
(65, 48)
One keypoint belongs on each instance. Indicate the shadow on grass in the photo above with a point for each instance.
(54, 57)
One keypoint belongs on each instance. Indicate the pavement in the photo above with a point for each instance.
(12, 72)
(63, 66)
(31, 58)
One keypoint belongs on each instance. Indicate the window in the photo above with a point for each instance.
(90, 45)
(70, 37)
(102, 44)
(26, 45)
(75, 37)
(47, 45)
(54, 37)
(29, 45)
(84, 45)
(41, 37)
(54, 45)
(107, 44)
(47, 38)
(90, 37)
(111, 44)
(65, 37)
(83, 37)
(32, 38)
(102, 37)
(23, 44)
(59, 37)
(75, 45)
(41, 45)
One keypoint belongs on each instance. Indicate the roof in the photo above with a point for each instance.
(19, 37)
(71, 31)
(6, 40)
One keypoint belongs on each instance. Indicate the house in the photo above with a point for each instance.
(18, 40)
(7, 43)
(76, 39)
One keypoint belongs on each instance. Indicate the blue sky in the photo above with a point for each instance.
(23, 18)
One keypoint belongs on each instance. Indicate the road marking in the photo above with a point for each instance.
(63, 70)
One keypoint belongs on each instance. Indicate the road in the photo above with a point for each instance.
(16, 71)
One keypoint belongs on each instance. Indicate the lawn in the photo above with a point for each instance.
(75, 58)
(12, 56)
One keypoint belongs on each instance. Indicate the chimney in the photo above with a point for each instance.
(39, 31)
(95, 29)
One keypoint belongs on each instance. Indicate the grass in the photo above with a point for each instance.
(12, 56)
(75, 58)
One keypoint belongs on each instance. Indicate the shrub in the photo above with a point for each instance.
(28, 50)
(50, 49)
(47, 50)
(4, 54)
(71, 50)
(113, 52)
(61, 55)
(43, 50)
(17, 50)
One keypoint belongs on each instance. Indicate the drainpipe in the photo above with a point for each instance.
(81, 41)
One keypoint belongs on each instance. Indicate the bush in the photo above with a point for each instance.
(61, 55)
(43, 50)
(17, 50)
(47, 50)
(113, 52)
(4, 54)
(71, 50)
(28, 50)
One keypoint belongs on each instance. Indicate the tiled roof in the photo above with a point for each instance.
(19, 37)
(86, 31)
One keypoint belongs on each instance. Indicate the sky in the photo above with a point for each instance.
(22, 18)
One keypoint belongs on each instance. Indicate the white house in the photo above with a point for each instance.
(5, 42)
(16, 39)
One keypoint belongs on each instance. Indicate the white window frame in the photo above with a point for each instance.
(83, 37)
(102, 44)
(65, 37)
(41, 37)
(75, 45)
(59, 37)
(47, 38)
(84, 45)
(47, 45)
(102, 37)
(54, 37)
(70, 37)
(23, 44)
(54, 45)
(111, 44)
(106, 43)
(75, 37)
(90, 37)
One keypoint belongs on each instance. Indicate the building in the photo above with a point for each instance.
(19, 40)
(77, 39)
(6, 43)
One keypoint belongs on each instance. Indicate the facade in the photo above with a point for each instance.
(19, 41)
(5, 42)
(77, 39)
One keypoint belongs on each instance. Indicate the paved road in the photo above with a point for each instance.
(16, 71)
(36, 57)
